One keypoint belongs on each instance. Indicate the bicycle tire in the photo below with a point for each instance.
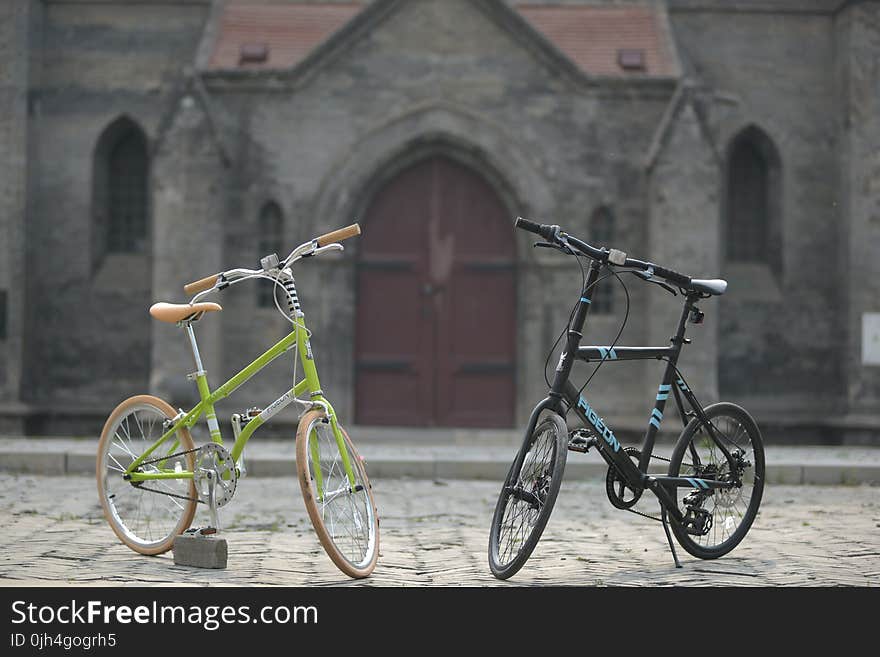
(357, 559)
(134, 513)
(509, 550)
(742, 503)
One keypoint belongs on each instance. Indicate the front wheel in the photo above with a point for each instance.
(342, 511)
(718, 519)
(147, 515)
(527, 497)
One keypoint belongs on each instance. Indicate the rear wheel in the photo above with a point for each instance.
(718, 518)
(527, 497)
(344, 516)
(145, 516)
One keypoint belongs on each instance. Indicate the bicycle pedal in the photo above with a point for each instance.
(204, 531)
(581, 444)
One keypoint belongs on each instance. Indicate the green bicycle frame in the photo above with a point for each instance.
(298, 338)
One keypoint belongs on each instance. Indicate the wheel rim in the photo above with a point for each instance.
(526, 496)
(145, 518)
(348, 516)
(729, 507)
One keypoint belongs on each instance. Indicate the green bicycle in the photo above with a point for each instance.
(151, 476)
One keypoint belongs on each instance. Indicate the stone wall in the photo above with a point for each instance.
(858, 31)
(445, 76)
(461, 78)
(15, 24)
(779, 343)
(90, 331)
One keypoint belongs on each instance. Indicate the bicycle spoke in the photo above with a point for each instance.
(345, 512)
(731, 510)
(522, 507)
(148, 514)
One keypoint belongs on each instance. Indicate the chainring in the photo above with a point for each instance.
(616, 488)
(215, 460)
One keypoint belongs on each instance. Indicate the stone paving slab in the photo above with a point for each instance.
(793, 465)
(435, 533)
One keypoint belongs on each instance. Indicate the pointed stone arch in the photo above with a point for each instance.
(121, 190)
(752, 209)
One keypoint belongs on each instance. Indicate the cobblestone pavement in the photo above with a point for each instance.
(434, 533)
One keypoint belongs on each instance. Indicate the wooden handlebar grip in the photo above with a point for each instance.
(201, 285)
(339, 235)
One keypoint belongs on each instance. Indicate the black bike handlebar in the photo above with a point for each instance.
(672, 276)
(545, 231)
(553, 234)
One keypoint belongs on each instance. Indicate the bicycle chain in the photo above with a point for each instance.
(164, 492)
(640, 513)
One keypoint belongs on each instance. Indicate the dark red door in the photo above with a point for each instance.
(436, 302)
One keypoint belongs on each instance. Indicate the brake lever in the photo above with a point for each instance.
(666, 287)
(564, 248)
(649, 276)
(335, 246)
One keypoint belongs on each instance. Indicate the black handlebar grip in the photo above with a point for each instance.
(545, 231)
(672, 276)
(530, 226)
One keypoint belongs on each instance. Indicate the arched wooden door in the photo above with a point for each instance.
(436, 311)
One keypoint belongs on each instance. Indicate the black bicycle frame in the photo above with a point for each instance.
(564, 396)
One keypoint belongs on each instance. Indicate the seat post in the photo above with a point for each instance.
(201, 379)
(194, 347)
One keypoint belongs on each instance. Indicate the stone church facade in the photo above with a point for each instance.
(147, 144)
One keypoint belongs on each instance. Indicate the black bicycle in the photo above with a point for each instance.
(715, 480)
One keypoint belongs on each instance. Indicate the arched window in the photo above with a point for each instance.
(753, 224)
(270, 228)
(602, 234)
(121, 189)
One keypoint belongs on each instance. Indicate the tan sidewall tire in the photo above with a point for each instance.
(186, 443)
(312, 507)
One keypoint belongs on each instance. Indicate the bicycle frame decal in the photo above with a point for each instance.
(663, 391)
(598, 424)
(656, 418)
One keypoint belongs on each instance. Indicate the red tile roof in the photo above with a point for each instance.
(591, 36)
(290, 31)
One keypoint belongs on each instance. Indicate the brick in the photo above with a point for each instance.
(199, 551)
